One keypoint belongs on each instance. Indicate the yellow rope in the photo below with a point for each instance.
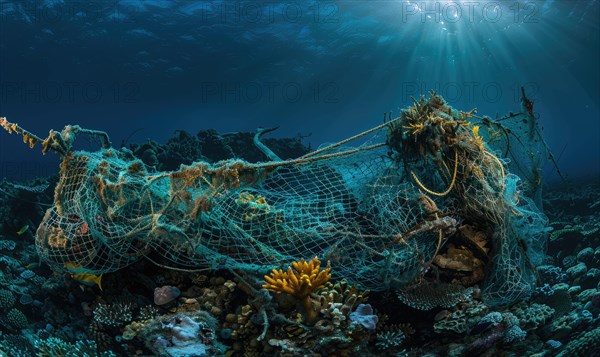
(451, 183)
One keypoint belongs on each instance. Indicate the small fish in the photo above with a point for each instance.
(79, 273)
(88, 279)
(23, 229)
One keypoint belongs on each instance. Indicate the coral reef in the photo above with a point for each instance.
(427, 296)
(151, 307)
(55, 347)
(165, 294)
(585, 345)
(112, 315)
(209, 145)
(180, 334)
(299, 280)
(364, 316)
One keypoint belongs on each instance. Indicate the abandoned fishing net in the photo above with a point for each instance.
(379, 212)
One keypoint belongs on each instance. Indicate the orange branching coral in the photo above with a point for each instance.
(300, 280)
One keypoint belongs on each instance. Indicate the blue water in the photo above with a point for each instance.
(329, 69)
(93, 268)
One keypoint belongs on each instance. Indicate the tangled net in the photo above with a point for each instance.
(379, 212)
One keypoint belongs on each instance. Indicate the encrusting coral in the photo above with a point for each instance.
(300, 280)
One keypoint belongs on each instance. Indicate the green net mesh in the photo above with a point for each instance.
(109, 212)
(380, 212)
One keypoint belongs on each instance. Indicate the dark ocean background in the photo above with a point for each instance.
(328, 69)
(421, 242)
